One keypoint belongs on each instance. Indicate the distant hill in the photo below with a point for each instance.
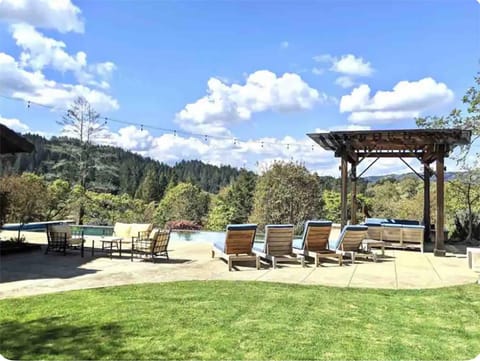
(373, 179)
(122, 171)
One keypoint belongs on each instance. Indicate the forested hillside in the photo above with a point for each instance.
(116, 170)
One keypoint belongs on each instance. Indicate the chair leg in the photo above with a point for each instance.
(353, 257)
(316, 260)
(229, 264)
(274, 263)
(340, 260)
(82, 249)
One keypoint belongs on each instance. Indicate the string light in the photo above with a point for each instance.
(165, 130)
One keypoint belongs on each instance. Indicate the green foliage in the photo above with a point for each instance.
(222, 212)
(185, 201)
(106, 209)
(243, 321)
(58, 200)
(331, 209)
(466, 227)
(27, 198)
(149, 189)
(286, 193)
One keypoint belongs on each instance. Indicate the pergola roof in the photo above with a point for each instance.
(424, 144)
(11, 142)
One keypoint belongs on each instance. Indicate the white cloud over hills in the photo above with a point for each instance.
(407, 100)
(263, 90)
(25, 78)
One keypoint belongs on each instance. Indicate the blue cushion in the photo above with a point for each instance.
(391, 225)
(412, 226)
(297, 243)
(241, 227)
(409, 222)
(259, 246)
(377, 221)
(219, 244)
(278, 226)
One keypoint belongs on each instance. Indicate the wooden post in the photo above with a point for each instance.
(439, 249)
(343, 195)
(426, 203)
(353, 214)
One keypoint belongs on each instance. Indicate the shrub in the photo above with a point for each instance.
(462, 225)
(183, 224)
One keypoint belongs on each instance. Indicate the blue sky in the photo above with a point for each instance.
(265, 73)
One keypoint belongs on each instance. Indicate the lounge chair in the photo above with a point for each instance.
(237, 245)
(60, 238)
(278, 244)
(155, 245)
(314, 242)
(350, 242)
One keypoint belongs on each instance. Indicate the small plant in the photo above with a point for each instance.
(19, 239)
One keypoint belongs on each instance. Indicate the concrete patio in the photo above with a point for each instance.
(36, 273)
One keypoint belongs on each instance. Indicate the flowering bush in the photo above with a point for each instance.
(183, 224)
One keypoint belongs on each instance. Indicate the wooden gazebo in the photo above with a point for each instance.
(11, 142)
(427, 145)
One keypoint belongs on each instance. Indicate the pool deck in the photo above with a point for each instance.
(36, 273)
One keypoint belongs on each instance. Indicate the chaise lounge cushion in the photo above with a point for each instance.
(122, 230)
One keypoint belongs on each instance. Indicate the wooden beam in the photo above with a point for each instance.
(343, 193)
(426, 202)
(353, 210)
(439, 249)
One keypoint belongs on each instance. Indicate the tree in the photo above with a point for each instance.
(458, 119)
(58, 200)
(26, 198)
(82, 122)
(149, 188)
(222, 212)
(465, 190)
(183, 202)
(286, 193)
(240, 196)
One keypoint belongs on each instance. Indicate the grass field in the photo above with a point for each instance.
(243, 320)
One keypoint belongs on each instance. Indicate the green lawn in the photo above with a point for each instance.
(243, 320)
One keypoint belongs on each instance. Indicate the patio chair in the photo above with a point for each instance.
(60, 238)
(314, 242)
(155, 245)
(237, 245)
(350, 243)
(278, 244)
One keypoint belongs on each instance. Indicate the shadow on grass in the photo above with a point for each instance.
(51, 338)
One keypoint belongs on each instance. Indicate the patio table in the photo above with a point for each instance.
(374, 243)
(107, 244)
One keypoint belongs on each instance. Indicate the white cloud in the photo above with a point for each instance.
(34, 86)
(263, 91)
(15, 124)
(60, 15)
(351, 65)
(406, 100)
(345, 81)
(318, 71)
(348, 65)
(284, 44)
(39, 52)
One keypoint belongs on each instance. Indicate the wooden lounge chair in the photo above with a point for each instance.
(60, 238)
(278, 244)
(153, 246)
(314, 242)
(237, 245)
(350, 242)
